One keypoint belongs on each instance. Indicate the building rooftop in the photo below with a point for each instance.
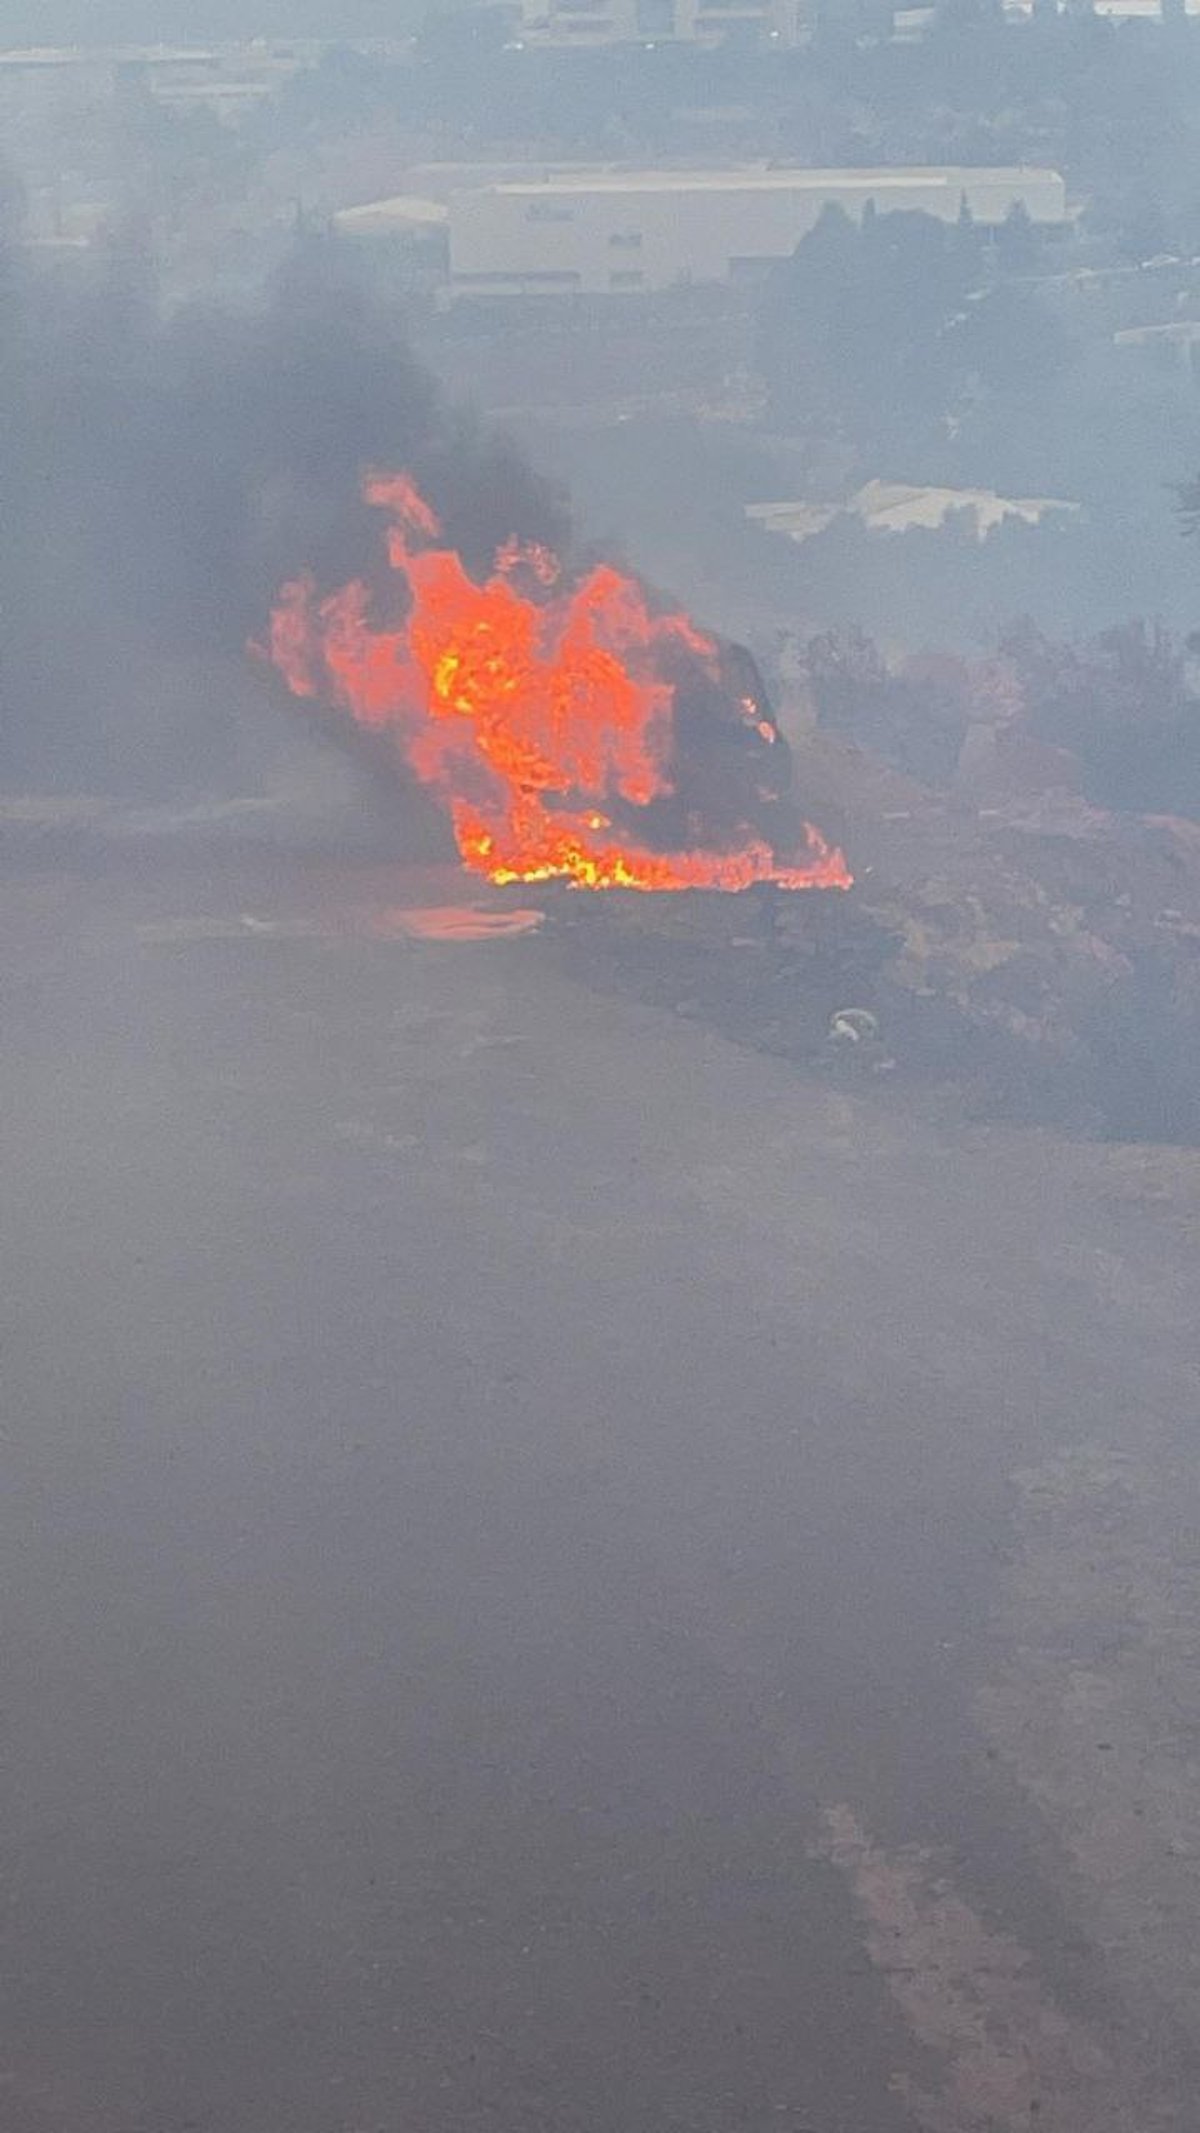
(899, 507)
(88, 55)
(405, 211)
(762, 177)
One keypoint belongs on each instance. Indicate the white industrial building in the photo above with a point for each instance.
(624, 231)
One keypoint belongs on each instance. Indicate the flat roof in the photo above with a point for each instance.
(405, 211)
(80, 55)
(763, 178)
(201, 92)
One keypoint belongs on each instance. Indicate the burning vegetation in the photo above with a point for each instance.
(569, 731)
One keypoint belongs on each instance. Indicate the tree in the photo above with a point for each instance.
(1120, 702)
(856, 326)
(1010, 341)
(1144, 232)
(913, 716)
(1017, 243)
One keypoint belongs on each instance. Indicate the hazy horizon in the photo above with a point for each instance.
(48, 22)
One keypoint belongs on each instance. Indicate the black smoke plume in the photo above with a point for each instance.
(163, 472)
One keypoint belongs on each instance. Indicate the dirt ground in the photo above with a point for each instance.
(559, 1572)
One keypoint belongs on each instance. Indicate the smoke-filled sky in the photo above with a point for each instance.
(162, 478)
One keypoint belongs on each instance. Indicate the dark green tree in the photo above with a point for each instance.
(857, 328)
(1017, 243)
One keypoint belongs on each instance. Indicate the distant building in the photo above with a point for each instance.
(902, 507)
(1175, 344)
(407, 234)
(227, 79)
(592, 22)
(46, 83)
(625, 231)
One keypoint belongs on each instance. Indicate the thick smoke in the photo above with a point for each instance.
(164, 472)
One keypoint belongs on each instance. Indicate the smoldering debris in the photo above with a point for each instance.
(570, 728)
(1013, 969)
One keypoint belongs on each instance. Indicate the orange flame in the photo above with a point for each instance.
(531, 711)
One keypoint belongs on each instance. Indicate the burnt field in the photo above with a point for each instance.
(1042, 995)
(1038, 963)
(540, 1586)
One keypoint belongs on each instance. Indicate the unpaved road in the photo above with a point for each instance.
(510, 1562)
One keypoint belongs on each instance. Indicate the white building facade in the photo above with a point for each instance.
(620, 232)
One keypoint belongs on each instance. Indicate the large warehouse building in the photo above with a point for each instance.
(623, 231)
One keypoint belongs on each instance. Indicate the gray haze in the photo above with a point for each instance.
(41, 22)
(598, 1509)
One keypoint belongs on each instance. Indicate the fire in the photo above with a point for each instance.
(540, 714)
